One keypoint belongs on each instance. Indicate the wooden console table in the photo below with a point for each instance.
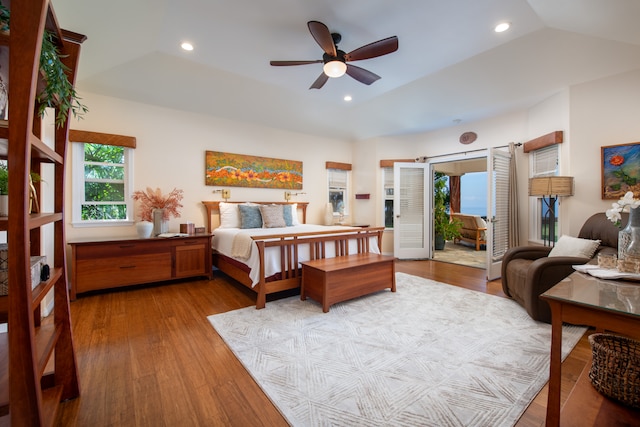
(113, 263)
(607, 305)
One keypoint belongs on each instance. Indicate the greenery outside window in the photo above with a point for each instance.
(102, 184)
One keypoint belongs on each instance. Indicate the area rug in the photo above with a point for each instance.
(430, 354)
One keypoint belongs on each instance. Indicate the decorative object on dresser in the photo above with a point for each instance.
(113, 263)
(402, 359)
(157, 208)
(144, 229)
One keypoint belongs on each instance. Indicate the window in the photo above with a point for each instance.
(544, 162)
(102, 184)
(338, 190)
(387, 179)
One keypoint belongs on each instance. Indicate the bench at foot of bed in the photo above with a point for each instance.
(332, 280)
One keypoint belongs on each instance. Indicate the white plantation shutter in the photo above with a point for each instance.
(501, 208)
(337, 178)
(544, 161)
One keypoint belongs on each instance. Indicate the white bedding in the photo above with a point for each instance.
(223, 242)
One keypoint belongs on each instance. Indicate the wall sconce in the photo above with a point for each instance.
(550, 188)
(288, 194)
(226, 193)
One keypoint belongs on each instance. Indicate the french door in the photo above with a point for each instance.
(498, 163)
(411, 222)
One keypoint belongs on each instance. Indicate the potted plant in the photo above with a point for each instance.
(443, 226)
(157, 208)
(56, 91)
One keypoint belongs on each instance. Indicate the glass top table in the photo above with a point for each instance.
(581, 299)
(619, 296)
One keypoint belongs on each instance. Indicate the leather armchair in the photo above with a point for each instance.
(527, 271)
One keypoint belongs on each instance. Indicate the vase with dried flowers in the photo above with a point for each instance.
(628, 237)
(158, 208)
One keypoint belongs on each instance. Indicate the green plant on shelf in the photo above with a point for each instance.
(58, 92)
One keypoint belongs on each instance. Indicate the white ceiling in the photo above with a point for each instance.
(450, 65)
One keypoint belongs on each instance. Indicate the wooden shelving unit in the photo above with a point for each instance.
(29, 394)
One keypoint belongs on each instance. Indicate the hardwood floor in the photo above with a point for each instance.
(147, 356)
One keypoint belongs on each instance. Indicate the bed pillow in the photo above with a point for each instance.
(574, 247)
(272, 216)
(250, 216)
(294, 214)
(229, 215)
(287, 215)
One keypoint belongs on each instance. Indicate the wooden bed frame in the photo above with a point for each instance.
(290, 276)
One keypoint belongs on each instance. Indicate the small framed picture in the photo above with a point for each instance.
(620, 170)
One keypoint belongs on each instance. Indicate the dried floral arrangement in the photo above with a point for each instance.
(153, 199)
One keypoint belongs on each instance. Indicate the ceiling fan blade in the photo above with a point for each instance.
(372, 50)
(322, 36)
(362, 75)
(320, 81)
(286, 63)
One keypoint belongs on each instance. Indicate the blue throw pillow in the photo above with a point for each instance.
(250, 216)
(287, 214)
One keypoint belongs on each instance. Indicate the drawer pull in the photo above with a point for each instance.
(127, 266)
(126, 246)
(192, 243)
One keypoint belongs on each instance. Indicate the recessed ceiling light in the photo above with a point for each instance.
(187, 46)
(347, 98)
(501, 27)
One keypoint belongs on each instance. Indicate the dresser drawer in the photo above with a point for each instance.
(110, 272)
(119, 249)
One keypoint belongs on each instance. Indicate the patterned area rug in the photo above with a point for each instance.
(430, 354)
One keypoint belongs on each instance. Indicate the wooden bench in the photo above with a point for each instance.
(332, 280)
(472, 230)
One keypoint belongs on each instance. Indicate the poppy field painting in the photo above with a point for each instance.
(239, 170)
(620, 170)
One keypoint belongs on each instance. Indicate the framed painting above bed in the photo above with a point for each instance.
(239, 170)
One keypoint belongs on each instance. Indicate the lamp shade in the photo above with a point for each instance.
(334, 68)
(551, 186)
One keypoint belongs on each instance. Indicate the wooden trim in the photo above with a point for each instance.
(102, 138)
(389, 163)
(543, 141)
(337, 165)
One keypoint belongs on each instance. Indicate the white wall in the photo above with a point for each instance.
(603, 112)
(591, 115)
(171, 149)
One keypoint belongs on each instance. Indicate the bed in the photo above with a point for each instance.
(267, 258)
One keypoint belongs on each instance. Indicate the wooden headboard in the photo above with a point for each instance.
(214, 206)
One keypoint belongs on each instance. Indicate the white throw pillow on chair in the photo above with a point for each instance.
(574, 247)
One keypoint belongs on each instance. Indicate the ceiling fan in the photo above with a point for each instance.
(335, 60)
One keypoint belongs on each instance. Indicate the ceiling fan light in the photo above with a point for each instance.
(334, 68)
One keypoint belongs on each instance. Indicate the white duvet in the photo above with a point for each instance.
(246, 251)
